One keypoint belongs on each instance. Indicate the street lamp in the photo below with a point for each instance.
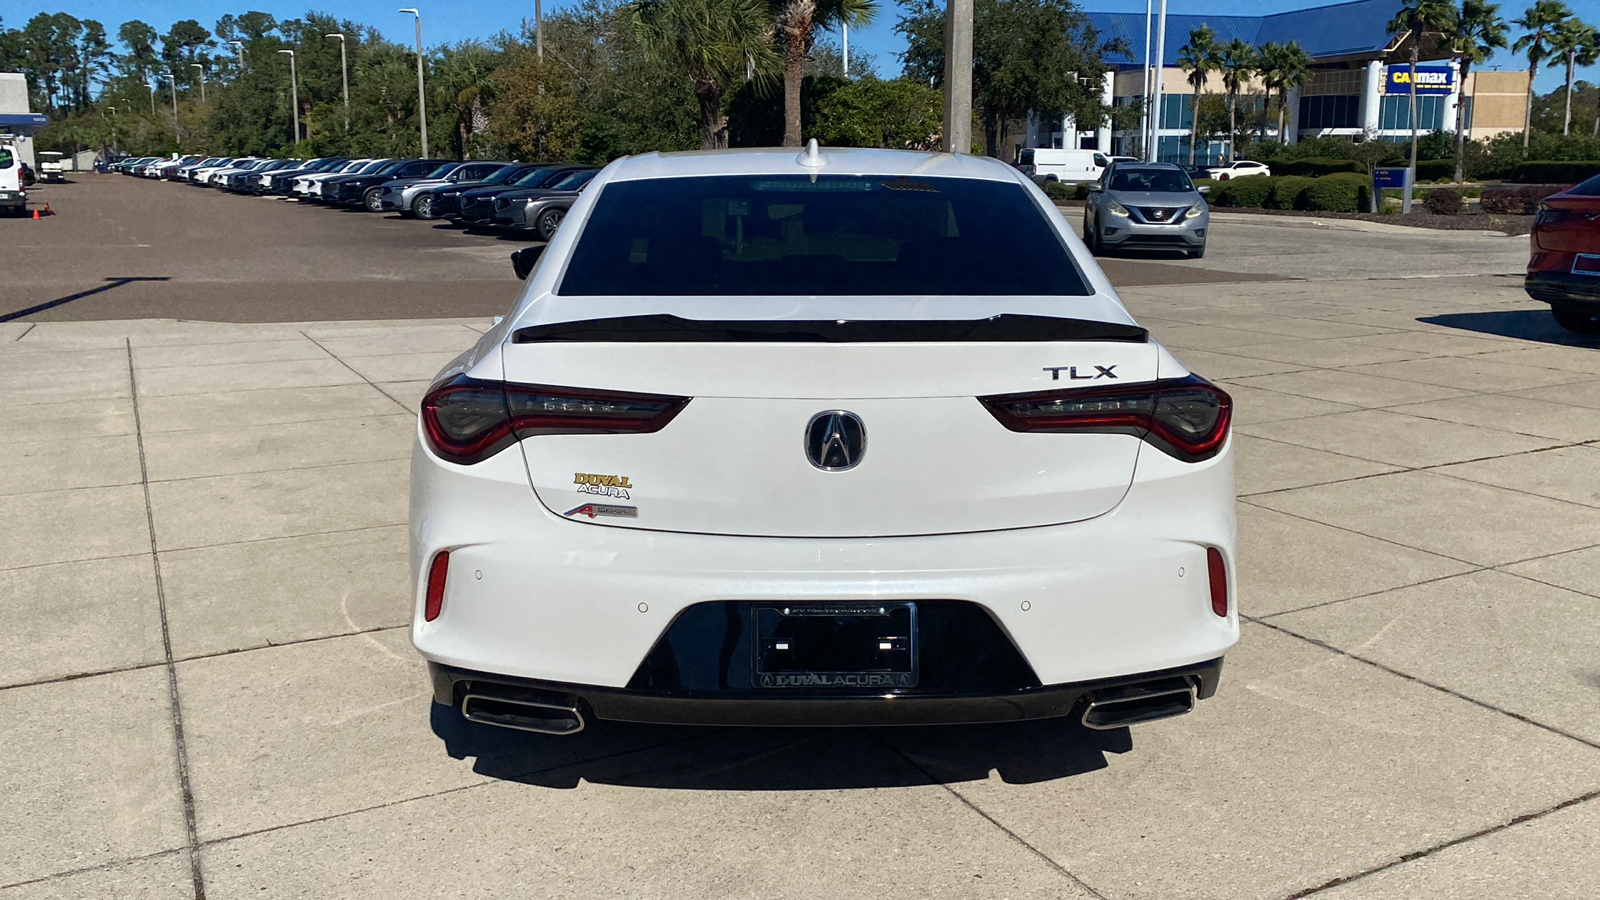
(113, 123)
(958, 76)
(152, 88)
(177, 140)
(538, 32)
(294, 96)
(202, 80)
(422, 97)
(239, 45)
(344, 71)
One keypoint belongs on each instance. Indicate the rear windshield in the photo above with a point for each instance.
(819, 235)
(1589, 188)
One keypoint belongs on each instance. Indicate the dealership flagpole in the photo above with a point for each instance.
(1153, 153)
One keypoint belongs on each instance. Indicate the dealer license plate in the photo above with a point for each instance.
(871, 646)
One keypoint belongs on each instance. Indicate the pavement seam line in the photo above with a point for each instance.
(185, 785)
(1425, 853)
(31, 326)
(1484, 704)
(94, 868)
(1465, 562)
(1017, 838)
(1399, 587)
(369, 381)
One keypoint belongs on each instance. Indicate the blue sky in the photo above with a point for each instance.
(463, 19)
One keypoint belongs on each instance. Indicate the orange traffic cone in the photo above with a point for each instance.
(36, 215)
(48, 211)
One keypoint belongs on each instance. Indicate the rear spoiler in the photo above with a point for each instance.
(1003, 328)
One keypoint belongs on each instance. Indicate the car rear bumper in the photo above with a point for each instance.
(1559, 285)
(534, 595)
(451, 686)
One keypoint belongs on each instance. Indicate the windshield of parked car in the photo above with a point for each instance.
(540, 177)
(836, 235)
(443, 170)
(375, 166)
(1155, 181)
(573, 181)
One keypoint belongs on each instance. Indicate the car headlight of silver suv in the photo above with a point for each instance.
(1116, 209)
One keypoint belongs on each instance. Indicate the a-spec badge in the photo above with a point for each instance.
(599, 509)
(1072, 373)
(616, 486)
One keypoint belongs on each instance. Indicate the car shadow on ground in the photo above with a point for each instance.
(779, 759)
(1526, 324)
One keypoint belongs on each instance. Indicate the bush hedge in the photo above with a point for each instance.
(1058, 192)
(1427, 169)
(1285, 192)
(1346, 192)
(1246, 192)
(1499, 201)
(1443, 202)
(1546, 171)
(1313, 166)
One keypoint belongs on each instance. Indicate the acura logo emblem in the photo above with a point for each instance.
(835, 440)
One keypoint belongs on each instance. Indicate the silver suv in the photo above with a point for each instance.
(1146, 206)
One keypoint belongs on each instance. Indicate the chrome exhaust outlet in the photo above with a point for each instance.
(1136, 704)
(523, 715)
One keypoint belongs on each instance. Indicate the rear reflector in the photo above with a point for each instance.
(434, 604)
(466, 420)
(1186, 418)
(1218, 573)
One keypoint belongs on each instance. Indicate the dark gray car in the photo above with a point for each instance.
(1146, 206)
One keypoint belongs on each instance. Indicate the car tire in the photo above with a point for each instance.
(372, 200)
(549, 222)
(1224, 176)
(1577, 319)
(422, 207)
(1198, 253)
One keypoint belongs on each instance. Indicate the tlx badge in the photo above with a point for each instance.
(1072, 373)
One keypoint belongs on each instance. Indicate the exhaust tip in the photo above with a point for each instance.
(522, 715)
(1137, 704)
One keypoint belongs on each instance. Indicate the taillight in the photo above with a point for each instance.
(466, 420)
(433, 604)
(1186, 418)
(1217, 571)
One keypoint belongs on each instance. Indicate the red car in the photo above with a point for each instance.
(1565, 268)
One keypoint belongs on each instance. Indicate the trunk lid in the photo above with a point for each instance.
(735, 461)
(1569, 224)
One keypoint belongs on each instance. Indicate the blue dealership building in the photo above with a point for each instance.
(1360, 82)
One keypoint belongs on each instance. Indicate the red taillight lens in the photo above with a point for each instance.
(1186, 418)
(1217, 571)
(434, 603)
(466, 420)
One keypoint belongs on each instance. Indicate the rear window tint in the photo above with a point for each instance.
(819, 235)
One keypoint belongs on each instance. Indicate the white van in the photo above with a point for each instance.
(1066, 166)
(13, 196)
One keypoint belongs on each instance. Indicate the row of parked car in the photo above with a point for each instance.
(489, 195)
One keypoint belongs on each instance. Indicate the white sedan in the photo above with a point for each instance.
(1239, 168)
(780, 439)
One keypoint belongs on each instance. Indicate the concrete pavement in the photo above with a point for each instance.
(206, 680)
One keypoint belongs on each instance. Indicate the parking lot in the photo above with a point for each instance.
(209, 689)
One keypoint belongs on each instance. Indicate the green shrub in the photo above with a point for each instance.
(1428, 170)
(1347, 192)
(1443, 202)
(1059, 192)
(1314, 166)
(1081, 192)
(1546, 171)
(1286, 191)
(1250, 193)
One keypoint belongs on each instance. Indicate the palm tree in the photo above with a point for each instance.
(1479, 32)
(1284, 67)
(1239, 63)
(1541, 21)
(797, 21)
(1579, 44)
(715, 43)
(1416, 21)
(1200, 57)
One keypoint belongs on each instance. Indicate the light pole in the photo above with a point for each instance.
(846, 27)
(422, 97)
(958, 76)
(538, 31)
(239, 46)
(344, 72)
(177, 140)
(113, 126)
(294, 96)
(152, 88)
(202, 80)
(1159, 61)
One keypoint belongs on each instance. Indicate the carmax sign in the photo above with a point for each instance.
(1430, 79)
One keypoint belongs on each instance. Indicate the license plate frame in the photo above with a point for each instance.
(1586, 264)
(870, 645)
